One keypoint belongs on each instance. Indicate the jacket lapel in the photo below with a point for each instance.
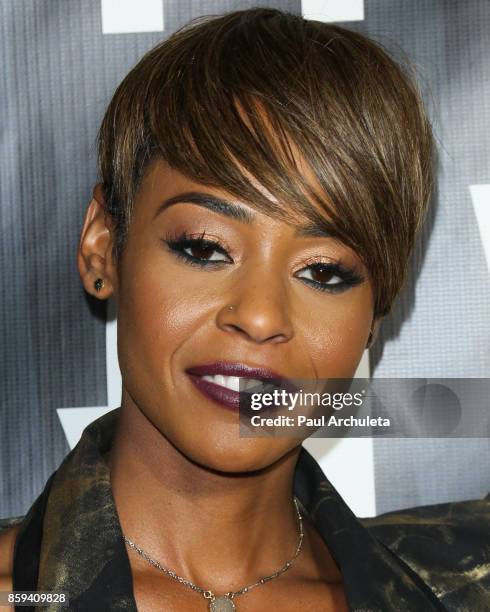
(83, 551)
(374, 578)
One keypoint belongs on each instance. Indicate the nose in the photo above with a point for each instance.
(260, 310)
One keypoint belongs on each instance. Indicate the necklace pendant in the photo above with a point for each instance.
(222, 604)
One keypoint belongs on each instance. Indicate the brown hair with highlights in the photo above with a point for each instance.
(232, 97)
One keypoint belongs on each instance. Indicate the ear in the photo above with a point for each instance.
(94, 255)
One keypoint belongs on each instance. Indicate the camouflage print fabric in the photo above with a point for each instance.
(422, 559)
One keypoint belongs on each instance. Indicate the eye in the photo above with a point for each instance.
(197, 251)
(330, 277)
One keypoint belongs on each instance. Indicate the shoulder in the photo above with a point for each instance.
(9, 529)
(447, 545)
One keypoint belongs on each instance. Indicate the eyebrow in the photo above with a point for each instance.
(234, 211)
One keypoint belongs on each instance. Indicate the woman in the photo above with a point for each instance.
(263, 180)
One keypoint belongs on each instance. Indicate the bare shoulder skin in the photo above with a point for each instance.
(7, 542)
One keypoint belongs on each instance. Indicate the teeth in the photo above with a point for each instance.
(232, 382)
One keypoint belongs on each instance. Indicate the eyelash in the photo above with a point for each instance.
(179, 242)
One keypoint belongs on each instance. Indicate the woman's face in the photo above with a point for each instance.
(173, 297)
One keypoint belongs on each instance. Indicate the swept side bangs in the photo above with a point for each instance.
(254, 97)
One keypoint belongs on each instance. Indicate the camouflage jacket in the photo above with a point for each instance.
(421, 559)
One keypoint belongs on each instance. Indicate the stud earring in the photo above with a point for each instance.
(231, 307)
(98, 284)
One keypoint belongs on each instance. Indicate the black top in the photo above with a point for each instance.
(422, 559)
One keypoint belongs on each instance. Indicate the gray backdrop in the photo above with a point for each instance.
(57, 75)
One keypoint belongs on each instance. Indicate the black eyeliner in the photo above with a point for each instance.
(350, 278)
(177, 243)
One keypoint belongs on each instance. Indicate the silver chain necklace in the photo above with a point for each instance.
(225, 602)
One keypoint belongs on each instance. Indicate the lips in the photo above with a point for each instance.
(230, 398)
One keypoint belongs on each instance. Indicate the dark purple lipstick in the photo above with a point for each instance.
(228, 398)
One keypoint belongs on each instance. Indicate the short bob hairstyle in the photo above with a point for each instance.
(238, 96)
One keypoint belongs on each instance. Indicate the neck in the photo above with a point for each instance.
(213, 528)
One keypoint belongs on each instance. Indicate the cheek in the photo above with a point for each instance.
(156, 315)
(336, 338)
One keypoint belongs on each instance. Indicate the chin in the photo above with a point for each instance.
(245, 455)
